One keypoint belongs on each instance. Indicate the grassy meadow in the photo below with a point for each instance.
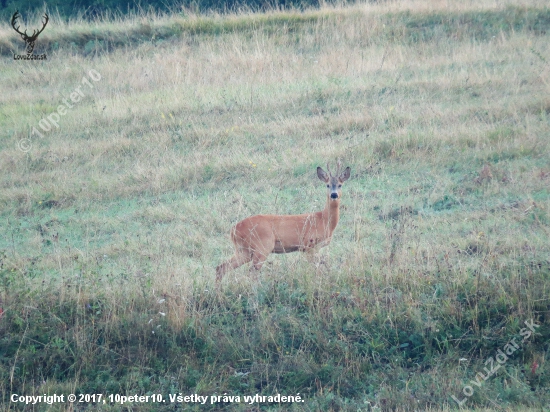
(112, 223)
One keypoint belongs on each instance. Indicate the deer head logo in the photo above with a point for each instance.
(28, 39)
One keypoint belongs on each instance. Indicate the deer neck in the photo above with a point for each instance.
(331, 214)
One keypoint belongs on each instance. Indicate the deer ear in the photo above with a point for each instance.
(345, 175)
(322, 175)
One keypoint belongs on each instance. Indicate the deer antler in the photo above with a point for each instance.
(328, 169)
(44, 23)
(24, 34)
(14, 18)
(338, 167)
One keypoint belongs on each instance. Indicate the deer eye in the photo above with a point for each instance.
(328, 185)
(339, 185)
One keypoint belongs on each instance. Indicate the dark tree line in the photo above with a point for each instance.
(90, 9)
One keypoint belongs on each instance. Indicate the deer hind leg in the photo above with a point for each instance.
(258, 260)
(241, 257)
(260, 249)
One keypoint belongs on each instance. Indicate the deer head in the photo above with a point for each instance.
(334, 183)
(32, 38)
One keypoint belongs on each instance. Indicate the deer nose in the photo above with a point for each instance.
(334, 195)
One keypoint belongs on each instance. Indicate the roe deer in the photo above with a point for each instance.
(257, 236)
